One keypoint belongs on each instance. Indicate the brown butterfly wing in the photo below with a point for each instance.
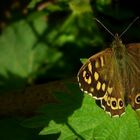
(113, 101)
(115, 82)
(134, 75)
(99, 77)
(91, 76)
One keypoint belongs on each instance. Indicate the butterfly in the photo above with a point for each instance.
(113, 77)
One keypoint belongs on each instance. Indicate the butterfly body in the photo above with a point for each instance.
(113, 77)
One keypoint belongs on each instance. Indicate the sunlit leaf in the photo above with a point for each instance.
(87, 122)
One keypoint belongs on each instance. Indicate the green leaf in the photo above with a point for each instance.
(21, 52)
(33, 3)
(83, 60)
(74, 119)
(80, 6)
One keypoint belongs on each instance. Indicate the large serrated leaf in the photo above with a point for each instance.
(86, 122)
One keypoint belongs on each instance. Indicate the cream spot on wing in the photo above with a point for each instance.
(103, 86)
(102, 105)
(89, 80)
(98, 86)
(91, 89)
(115, 116)
(102, 61)
(82, 90)
(90, 94)
(85, 91)
(78, 79)
(108, 113)
(79, 84)
(96, 75)
(90, 67)
(97, 65)
(109, 89)
(122, 114)
(84, 73)
(105, 97)
(108, 101)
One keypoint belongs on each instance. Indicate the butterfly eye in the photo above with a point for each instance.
(87, 75)
(137, 99)
(120, 103)
(114, 103)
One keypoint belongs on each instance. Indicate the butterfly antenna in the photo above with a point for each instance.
(104, 27)
(129, 26)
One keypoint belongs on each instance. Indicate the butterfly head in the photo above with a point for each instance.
(118, 47)
(117, 43)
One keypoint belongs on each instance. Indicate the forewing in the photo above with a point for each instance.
(92, 76)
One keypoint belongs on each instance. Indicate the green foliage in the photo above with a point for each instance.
(74, 119)
(33, 3)
(83, 60)
(47, 44)
(20, 55)
(80, 6)
(37, 47)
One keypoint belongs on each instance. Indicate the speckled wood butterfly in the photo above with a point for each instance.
(113, 77)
